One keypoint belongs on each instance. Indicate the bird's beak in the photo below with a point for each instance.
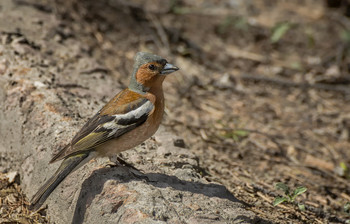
(169, 68)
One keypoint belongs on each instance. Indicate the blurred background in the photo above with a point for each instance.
(262, 95)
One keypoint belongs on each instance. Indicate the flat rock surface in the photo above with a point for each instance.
(48, 89)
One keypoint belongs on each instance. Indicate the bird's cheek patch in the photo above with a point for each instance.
(143, 76)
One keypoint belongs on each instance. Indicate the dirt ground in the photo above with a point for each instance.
(262, 95)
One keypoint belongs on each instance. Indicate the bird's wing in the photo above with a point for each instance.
(123, 113)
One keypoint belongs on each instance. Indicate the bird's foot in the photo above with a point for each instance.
(132, 170)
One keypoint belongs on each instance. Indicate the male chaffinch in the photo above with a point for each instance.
(127, 120)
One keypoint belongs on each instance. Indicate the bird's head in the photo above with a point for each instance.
(149, 70)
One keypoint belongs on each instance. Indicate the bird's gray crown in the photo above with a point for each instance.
(141, 58)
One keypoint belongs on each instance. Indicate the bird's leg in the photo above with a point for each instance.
(116, 161)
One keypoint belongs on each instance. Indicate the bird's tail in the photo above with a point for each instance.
(68, 165)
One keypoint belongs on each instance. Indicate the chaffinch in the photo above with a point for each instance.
(127, 120)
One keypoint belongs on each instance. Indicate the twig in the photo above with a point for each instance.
(226, 129)
(266, 59)
(271, 137)
(94, 70)
(345, 89)
(70, 86)
(160, 30)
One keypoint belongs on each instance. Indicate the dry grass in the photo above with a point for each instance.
(14, 204)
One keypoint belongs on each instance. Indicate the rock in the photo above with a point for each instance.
(41, 108)
(11, 176)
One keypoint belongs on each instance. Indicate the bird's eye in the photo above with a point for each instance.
(152, 67)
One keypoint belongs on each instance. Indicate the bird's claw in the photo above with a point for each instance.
(133, 170)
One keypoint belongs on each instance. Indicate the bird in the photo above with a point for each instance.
(127, 120)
